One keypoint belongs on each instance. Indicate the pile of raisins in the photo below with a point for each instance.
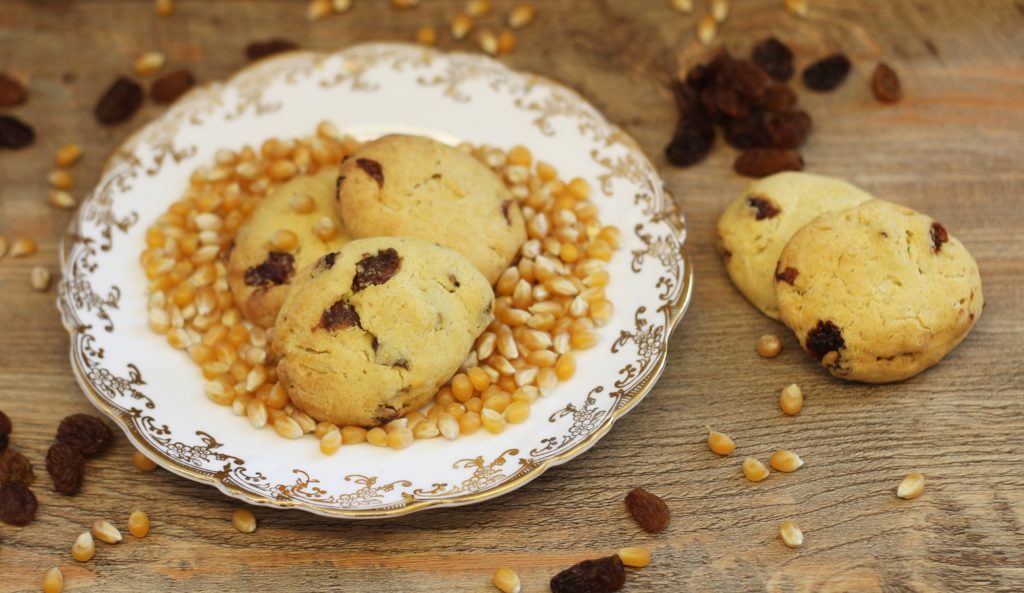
(79, 436)
(17, 503)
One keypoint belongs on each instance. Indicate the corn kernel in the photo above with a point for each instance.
(786, 461)
(53, 582)
(243, 521)
(142, 463)
(84, 548)
(506, 580)
(768, 346)
(377, 436)
(754, 470)
(138, 524)
(351, 435)
(911, 486)
(426, 35)
(68, 155)
(635, 557)
(721, 443)
(517, 412)
(522, 15)
(492, 420)
(791, 534)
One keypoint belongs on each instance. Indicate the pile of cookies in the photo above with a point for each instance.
(874, 291)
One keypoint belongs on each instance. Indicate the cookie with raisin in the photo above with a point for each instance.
(371, 331)
(879, 292)
(757, 224)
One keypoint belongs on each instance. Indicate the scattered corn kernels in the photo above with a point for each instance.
(61, 199)
(911, 486)
(707, 28)
(330, 442)
(506, 42)
(720, 443)
(148, 63)
(40, 279)
(522, 15)
(243, 521)
(340, 6)
(164, 8)
(683, 6)
(796, 7)
(488, 42)
(426, 35)
(23, 248)
(635, 557)
(138, 524)
(791, 534)
(754, 470)
(143, 463)
(318, 9)
(791, 399)
(786, 461)
(768, 346)
(719, 10)
(53, 582)
(462, 24)
(105, 532)
(67, 155)
(507, 580)
(84, 547)
(61, 179)
(479, 8)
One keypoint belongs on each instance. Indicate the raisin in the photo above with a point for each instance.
(261, 49)
(749, 132)
(15, 467)
(885, 84)
(692, 141)
(170, 86)
(779, 97)
(66, 467)
(726, 102)
(504, 210)
(824, 338)
(376, 269)
(745, 78)
(774, 58)
(276, 269)
(84, 433)
(373, 169)
(939, 236)
(119, 103)
(759, 162)
(6, 427)
(4, 441)
(15, 133)
(827, 73)
(764, 207)
(12, 91)
(341, 315)
(788, 129)
(329, 260)
(603, 575)
(17, 504)
(788, 275)
(686, 96)
(649, 510)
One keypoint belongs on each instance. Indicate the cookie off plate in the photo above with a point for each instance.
(156, 394)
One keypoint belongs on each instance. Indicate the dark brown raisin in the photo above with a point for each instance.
(376, 269)
(12, 91)
(401, 363)
(648, 509)
(788, 129)
(15, 467)
(15, 133)
(262, 49)
(170, 86)
(373, 169)
(4, 441)
(824, 338)
(341, 315)
(749, 132)
(774, 58)
(603, 575)
(764, 208)
(779, 97)
(329, 260)
(504, 210)
(788, 275)
(66, 467)
(84, 433)
(885, 84)
(686, 96)
(759, 162)
(692, 141)
(119, 103)
(745, 77)
(6, 427)
(827, 73)
(939, 236)
(276, 269)
(17, 504)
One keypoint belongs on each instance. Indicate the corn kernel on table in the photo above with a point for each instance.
(951, 148)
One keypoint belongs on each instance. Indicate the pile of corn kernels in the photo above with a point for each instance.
(549, 303)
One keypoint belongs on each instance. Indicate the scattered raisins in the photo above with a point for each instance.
(602, 575)
(17, 504)
(788, 275)
(15, 467)
(827, 73)
(6, 427)
(376, 269)
(4, 441)
(939, 236)
(763, 207)
(779, 97)
(648, 509)
(373, 169)
(276, 269)
(774, 58)
(341, 315)
(788, 129)
(84, 433)
(824, 338)
(760, 162)
(749, 132)
(692, 141)
(66, 467)
(261, 49)
(170, 86)
(885, 84)
(119, 102)
(328, 260)
(12, 91)
(15, 133)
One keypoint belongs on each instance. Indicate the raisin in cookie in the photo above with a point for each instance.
(372, 331)
(756, 226)
(879, 292)
(410, 186)
(266, 256)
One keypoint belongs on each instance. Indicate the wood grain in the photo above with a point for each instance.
(952, 148)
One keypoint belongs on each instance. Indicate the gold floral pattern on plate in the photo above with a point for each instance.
(154, 394)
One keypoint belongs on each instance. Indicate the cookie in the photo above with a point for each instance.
(372, 331)
(756, 226)
(877, 293)
(260, 271)
(410, 186)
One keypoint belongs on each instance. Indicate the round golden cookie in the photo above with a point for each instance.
(878, 292)
(260, 273)
(372, 331)
(756, 226)
(410, 186)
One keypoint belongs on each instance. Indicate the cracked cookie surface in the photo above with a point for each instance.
(372, 331)
(258, 273)
(879, 292)
(755, 227)
(411, 186)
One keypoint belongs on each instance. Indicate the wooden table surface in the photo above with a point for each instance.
(953, 148)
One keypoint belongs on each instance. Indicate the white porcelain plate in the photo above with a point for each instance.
(155, 394)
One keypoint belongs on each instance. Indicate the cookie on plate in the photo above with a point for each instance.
(411, 186)
(878, 292)
(279, 238)
(756, 226)
(372, 331)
